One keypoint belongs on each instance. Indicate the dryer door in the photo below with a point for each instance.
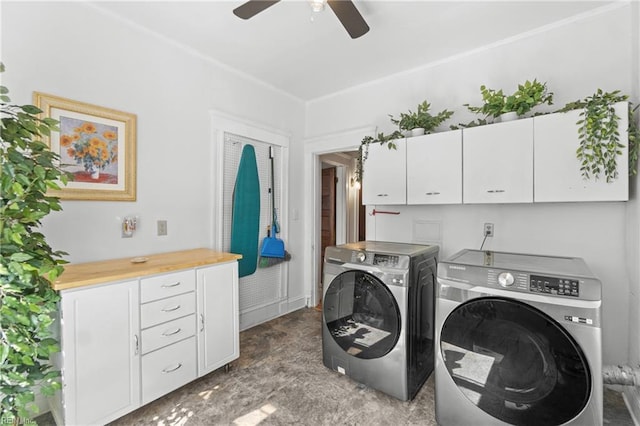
(515, 362)
(361, 315)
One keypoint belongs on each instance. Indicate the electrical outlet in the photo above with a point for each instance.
(162, 227)
(488, 230)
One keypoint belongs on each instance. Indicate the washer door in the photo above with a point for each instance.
(515, 362)
(361, 315)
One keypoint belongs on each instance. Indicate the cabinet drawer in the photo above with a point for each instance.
(164, 310)
(168, 368)
(170, 332)
(167, 285)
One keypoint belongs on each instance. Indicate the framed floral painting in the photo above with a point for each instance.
(97, 146)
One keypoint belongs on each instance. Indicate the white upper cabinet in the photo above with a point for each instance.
(498, 163)
(557, 170)
(385, 174)
(434, 169)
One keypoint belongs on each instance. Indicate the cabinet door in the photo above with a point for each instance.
(498, 163)
(434, 168)
(218, 316)
(100, 347)
(557, 170)
(385, 174)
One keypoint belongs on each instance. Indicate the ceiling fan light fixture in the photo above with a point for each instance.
(317, 5)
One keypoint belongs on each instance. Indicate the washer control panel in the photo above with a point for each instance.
(553, 285)
(377, 259)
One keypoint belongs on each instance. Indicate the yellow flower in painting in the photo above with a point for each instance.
(76, 136)
(78, 129)
(104, 155)
(95, 142)
(108, 134)
(88, 127)
(65, 140)
(71, 152)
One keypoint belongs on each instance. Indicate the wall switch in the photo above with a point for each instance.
(162, 227)
(488, 230)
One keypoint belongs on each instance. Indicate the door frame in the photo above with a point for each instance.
(313, 148)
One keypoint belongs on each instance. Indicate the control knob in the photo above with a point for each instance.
(361, 256)
(505, 279)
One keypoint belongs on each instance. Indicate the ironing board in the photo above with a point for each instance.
(245, 218)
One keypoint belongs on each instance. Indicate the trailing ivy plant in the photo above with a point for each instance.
(528, 96)
(363, 150)
(599, 138)
(27, 301)
(421, 118)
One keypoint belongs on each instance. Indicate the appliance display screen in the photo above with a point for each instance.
(553, 285)
(385, 260)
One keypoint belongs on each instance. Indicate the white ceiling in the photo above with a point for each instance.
(284, 49)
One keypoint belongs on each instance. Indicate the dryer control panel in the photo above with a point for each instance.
(553, 285)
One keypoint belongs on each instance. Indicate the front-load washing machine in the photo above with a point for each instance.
(378, 314)
(518, 340)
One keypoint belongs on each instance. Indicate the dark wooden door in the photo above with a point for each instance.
(328, 217)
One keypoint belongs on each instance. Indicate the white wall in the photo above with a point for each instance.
(574, 58)
(76, 51)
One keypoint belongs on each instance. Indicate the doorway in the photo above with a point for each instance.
(340, 206)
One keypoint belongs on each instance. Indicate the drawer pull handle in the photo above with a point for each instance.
(383, 195)
(495, 191)
(177, 283)
(171, 370)
(137, 344)
(201, 322)
(433, 193)
(176, 331)
(175, 308)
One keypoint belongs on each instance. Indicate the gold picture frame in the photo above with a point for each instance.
(96, 145)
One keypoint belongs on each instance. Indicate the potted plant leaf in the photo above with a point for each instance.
(496, 104)
(599, 137)
(421, 121)
(27, 301)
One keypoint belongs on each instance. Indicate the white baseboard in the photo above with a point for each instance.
(255, 316)
(631, 396)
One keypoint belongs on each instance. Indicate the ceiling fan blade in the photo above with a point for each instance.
(252, 8)
(349, 16)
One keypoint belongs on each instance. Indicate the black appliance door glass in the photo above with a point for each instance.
(361, 314)
(515, 362)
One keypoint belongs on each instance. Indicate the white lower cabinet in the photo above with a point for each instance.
(125, 344)
(100, 357)
(218, 317)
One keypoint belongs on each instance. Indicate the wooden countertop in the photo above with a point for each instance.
(85, 274)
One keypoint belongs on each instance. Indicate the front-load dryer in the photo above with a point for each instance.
(518, 341)
(378, 314)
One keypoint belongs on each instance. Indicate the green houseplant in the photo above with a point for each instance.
(599, 138)
(528, 95)
(27, 301)
(421, 119)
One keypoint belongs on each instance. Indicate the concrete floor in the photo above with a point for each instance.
(279, 379)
